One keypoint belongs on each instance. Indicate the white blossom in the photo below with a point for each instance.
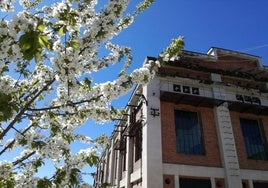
(48, 56)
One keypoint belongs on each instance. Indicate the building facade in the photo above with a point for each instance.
(201, 122)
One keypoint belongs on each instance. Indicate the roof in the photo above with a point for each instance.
(216, 51)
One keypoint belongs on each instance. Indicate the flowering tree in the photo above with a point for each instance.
(47, 57)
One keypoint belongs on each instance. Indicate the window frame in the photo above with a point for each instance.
(138, 143)
(261, 132)
(194, 182)
(260, 184)
(200, 133)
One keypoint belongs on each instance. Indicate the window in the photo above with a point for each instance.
(138, 143)
(260, 184)
(194, 183)
(123, 154)
(244, 185)
(107, 167)
(254, 140)
(188, 133)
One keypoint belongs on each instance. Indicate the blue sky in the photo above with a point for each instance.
(240, 25)
(232, 24)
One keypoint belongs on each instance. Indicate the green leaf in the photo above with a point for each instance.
(54, 129)
(29, 45)
(87, 82)
(38, 164)
(44, 183)
(74, 44)
(74, 13)
(92, 160)
(101, 33)
(68, 138)
(37, 57)
(6, 107)
(62, 30)
(25, 41)
(40, 26)
(74, 175)
(43, 41)
(23, 141)
(125, 22)
(144, 5)
(32, 44)
(174, 48)
(60, 174)
(10, 184)
(24, 44)
(38, 144)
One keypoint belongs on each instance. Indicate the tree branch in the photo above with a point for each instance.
(23, 158)
(17, 117)
(13, 141)
(70, 103)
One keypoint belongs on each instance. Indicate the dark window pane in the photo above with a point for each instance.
(188, 133)
(253, 139)
(244, 185)
(194, 183)
(260, 185)
(138, 143)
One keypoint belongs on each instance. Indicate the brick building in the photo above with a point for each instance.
(201, 122)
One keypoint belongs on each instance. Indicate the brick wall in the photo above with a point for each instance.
(168, 181)
(230, 61)
(170, 155)
(240, 146)
(220, 183)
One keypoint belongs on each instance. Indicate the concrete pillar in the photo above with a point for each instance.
(227, 147)
(250, 184)
(176, 181)
(106, 166)
(152, 167)
(116, 169)
(112, 163)
(119, 169)
(213, 184)
(129, 161)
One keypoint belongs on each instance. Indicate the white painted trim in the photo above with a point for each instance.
(250, 184)
(176, 182)
(195, 171)
(135, 176)
(213, 183)
(123, 182)
(259, 175)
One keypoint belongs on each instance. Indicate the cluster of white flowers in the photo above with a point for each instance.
(54, 148)
(9, 49)
(145, 73)
(29, 3)
(26, 180)
(7, 5)
(7, 84)
(79, 160)
(57, 92)
(83, 138)
(5, 169)
(171, 53)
